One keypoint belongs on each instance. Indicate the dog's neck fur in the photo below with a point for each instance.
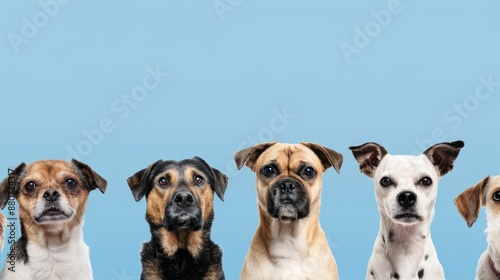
(405, 246)
(288, 240)
(494, 244)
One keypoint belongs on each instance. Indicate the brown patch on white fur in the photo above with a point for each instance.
(50, 174)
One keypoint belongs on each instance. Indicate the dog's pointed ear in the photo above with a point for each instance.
(469, 202)
(250, 155)
(368, 156)
(220, 180)
(93, 180)
(10, 185)
(327, 156)
(443, 155)
(139, 182)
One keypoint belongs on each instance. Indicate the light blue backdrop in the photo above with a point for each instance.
(120, 84)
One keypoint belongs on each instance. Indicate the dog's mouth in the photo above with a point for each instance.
(287, 212)
(51, 214)
(183, 221)
(408, 218)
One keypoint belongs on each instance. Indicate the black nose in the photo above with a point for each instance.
(51, 195)
(183, 199)
(287, 187)
(407, 199)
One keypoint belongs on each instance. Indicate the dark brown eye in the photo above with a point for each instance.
(386, 181)
(309, 172)
(198, 180)
(30, 186)
(496, 196)
(268, 171)
(162, 181)
(426, 181)
(70, 183)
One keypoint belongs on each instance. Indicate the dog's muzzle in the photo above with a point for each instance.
(52, 210)
(183, 211)
(288, 200)
(407, 214)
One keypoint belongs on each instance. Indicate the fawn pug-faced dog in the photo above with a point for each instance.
(485, 193)
(405, 191)
(289, 242)
(179, 211)
(52, 197)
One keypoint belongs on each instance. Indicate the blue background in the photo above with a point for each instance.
(229, 74)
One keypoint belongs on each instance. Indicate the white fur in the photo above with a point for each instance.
(405, 255)
(69, 261)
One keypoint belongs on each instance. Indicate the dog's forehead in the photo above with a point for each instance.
(45, 169)
(288, 155)
(493, 184)
(410, 165)
(182, 168)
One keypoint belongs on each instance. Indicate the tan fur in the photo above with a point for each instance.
(157, 202)
(50, 174)
(310, 245)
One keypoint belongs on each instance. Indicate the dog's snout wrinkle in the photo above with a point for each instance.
(407, 199)
(51, 195)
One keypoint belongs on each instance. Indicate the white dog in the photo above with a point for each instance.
(487, 193)
(405, 191)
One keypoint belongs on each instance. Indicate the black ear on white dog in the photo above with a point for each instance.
(139, 183)
(10, 185)
(443, 155)
(368, 156)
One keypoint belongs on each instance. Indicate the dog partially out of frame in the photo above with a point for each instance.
(485, 193)
(179, 211)
(52, 197)
(405, 191)
(289, 242)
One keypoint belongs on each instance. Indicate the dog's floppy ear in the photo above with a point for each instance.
(139, 182)
(220, 180)
(250, 155)
(327, 156)
(10, 185)
(469, 202)
(368, 156)
(443, 155)
(93, 180)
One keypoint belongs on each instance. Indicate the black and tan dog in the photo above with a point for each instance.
(179, 198)
(52, 197)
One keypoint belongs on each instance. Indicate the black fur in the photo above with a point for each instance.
(181, 265)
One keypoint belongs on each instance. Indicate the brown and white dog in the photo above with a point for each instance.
(52, 197)
(485, 193)
(289, 242)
